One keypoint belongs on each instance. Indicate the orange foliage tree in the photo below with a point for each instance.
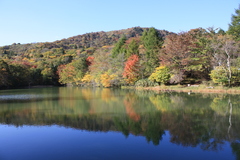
(66, 74)
(72, 73)
(131, 70)
(89, 60)
(128, 103)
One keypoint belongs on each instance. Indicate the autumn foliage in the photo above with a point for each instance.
(106, 79)
(89, 60)
(66, 73)
(130, 109)
(105, 59)
(131, 70)
(161, 75)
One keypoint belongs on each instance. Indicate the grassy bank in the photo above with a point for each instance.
(193, 88)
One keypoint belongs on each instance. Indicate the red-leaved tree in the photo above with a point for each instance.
(131, 70)
(89, 60)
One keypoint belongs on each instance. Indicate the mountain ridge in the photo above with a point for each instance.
(83, 41)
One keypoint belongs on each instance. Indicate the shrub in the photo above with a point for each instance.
(161, 75)
(220, 75)
(145, 83)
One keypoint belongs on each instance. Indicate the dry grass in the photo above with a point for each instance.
(195, 89)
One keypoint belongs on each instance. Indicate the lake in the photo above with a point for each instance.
(94, 123)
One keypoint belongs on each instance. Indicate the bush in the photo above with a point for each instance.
(220, 75)
(145, 83)
(161, 75)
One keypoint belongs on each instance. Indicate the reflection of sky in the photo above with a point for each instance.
(54, 142)
(20, 97)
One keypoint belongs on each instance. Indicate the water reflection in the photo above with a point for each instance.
(205, 120)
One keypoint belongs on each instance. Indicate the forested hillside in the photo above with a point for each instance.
(135, 56)
(83, 42)
(38, 63)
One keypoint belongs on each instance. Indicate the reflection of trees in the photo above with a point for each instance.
(230, 115)
(128, 102)
(219, 105)
(162, 102)
(236, 149)
(154, 129)
(182, 116)
(149, 126)
(227, 110)
(185, 128)
(192, 120)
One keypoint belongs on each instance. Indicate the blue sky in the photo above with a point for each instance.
(27, 21)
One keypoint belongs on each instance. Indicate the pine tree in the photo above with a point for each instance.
(132, 48)
(234, 27)
(152, 43)
(119, 46)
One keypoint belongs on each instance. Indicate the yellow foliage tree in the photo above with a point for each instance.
(161, 75)
(106, 79)
(87, 78)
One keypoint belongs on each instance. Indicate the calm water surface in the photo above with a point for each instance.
(82, 123)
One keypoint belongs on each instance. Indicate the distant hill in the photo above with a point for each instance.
(88, 40)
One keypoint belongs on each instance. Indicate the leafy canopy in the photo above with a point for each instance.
(131, 70)
(234, 27)
(161, 75)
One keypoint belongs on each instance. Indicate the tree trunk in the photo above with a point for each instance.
(229, 68)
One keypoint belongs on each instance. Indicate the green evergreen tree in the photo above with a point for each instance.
(234, 27)
(20, 75)
(152, 43)
(4, 74)
(119, 46)
(132, 48)
(221, 31)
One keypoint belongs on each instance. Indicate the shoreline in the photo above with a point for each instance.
(165, 88)
(190, 89)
